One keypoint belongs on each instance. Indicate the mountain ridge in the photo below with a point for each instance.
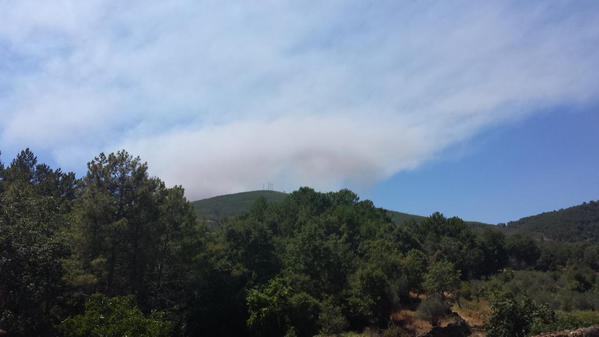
(578, 223)
(216, 209)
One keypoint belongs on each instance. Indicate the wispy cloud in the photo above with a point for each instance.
(224, 96)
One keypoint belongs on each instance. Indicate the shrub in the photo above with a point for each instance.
(512, 317)
(277, 310)
(331, 319)
(115, 317)
(509, 318)
(433, 309)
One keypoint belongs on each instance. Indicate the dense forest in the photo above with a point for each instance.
(118, 253)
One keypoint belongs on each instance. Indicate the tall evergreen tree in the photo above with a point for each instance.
(33, 210)
(130, 231)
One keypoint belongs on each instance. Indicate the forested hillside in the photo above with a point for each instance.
(118, 253)
(574, 224)
(217, 209)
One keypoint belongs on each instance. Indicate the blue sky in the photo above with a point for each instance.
(546, 162)
(420, 105)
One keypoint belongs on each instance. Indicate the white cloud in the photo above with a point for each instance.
(222, 97)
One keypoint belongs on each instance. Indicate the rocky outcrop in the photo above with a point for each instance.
(586, 332)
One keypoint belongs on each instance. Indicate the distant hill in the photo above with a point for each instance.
(217, 208)
(574, 224)
(224, 206)
(401, 218)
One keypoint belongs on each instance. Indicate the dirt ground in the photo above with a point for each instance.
(475, 313)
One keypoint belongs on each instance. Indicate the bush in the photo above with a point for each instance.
(509, 318)
(277, 310)
(433, 309)
(512, 317)
(115, 317)
(574, 320)
(331, 319)
(552, 289)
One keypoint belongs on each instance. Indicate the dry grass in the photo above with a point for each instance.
(475, 313)
(409, 321)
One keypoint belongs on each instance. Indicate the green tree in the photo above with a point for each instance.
(441, 277)
(451, 240)
(131, 234)
(371, 300)
(276, 309)
(34, 203)
(495, 256)
(414, 269)
(523, 251)
(323, 260)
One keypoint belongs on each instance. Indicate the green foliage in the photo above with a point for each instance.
(276, 309)
(451, 240)
(495, 254)
(544, 319)
(518, 317)
(414, 267)
(275, 265)
(34, 204)
(575, 224)
(131, 234)
(574, 319)
(523, 251)
(433, 309)
(322, 258)
(115, 317)
(371, 299)
(559, 290)
(217, 209)
(331, 319)
(581, 280)
(441, 277)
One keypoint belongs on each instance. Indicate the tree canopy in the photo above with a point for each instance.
(117, 252)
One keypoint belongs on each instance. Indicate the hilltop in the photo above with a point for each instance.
(218, 208)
